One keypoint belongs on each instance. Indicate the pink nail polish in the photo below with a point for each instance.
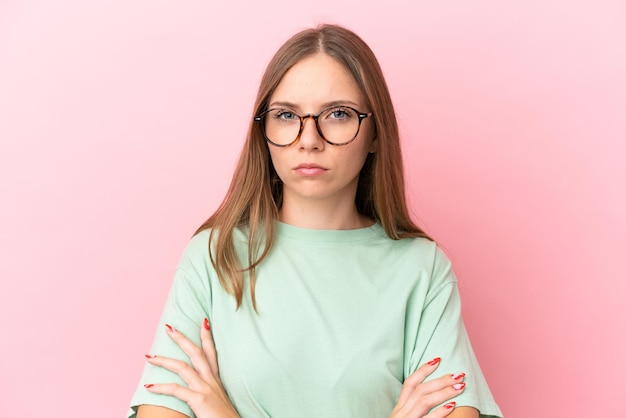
(206, 324)
(458, 386)
(149, 356)
(169, 328)
(450, 405)
(434, 361)
(458, 376)
(148, 385)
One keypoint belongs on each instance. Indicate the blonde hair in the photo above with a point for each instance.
(255, 193)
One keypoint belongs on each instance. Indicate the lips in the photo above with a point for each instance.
(309, 170)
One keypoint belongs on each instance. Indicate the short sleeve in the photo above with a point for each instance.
(188, 303)
(436, 329)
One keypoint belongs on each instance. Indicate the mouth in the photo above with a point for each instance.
(310, 170)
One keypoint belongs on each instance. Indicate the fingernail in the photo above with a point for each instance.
(458, 386)
(169, 328)
(434, 361)
(149, 356)
(458, 376)
(148, 385)
(450, 405)
(206, 324)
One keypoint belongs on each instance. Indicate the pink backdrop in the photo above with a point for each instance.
(120, 123)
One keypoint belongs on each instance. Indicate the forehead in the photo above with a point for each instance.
(317, 80)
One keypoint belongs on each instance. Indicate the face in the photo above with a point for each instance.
(312, 168)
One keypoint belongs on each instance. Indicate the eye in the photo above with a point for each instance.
(339, 113)
(284, 114)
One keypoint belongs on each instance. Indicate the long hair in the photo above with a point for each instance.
(255, 193)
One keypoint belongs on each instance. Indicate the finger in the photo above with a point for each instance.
(419, 404)
(172, 389)
(416, 378)
(437, 384)
(204, 403)
(195, 353)
(208, 346)
(183, 369)
(442, 411)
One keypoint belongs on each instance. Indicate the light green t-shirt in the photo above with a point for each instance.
(344, 316)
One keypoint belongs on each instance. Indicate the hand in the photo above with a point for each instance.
(418, 398)
(205, 394)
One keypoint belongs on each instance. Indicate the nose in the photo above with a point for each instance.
(310, 138)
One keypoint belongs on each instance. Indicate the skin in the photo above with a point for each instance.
(206, 396)
(325, 201)
(322, 201)
(204, 392)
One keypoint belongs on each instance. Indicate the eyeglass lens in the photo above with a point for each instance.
(337, 125)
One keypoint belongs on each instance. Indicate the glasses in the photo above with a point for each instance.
(338, 125)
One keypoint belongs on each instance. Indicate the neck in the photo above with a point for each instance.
(322, 215)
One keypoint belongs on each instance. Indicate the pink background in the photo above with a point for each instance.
(120, 123)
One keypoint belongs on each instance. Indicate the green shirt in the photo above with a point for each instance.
(344, 316)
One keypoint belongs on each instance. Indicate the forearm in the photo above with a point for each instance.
(153, 411)
(464, 412)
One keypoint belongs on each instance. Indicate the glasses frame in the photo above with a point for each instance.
(361, 115)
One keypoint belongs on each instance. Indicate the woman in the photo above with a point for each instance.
(320, 295)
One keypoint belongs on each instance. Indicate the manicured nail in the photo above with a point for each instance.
(206, 324)
(458, 376)
(434, 361)
(458, 386)
(169, 328)
(450, 405)
(149, 356)
(148, 385)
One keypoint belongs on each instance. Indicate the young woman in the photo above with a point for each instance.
(310, 284)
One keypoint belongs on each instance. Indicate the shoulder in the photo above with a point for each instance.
(426, 252)
(195, 256)
(429, 261)
(418, 260)
(201, 240)
(198, 248)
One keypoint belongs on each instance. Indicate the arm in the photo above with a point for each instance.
(436, 329)
(464, 412)
(419, 396)
(203, 390)
(207, 398)
(153, 411)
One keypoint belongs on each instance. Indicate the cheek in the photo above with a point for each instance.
(273, 158)
(276, 160)
(369, 138)
(355, 159)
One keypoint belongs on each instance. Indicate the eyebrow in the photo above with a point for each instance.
(324, 105)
